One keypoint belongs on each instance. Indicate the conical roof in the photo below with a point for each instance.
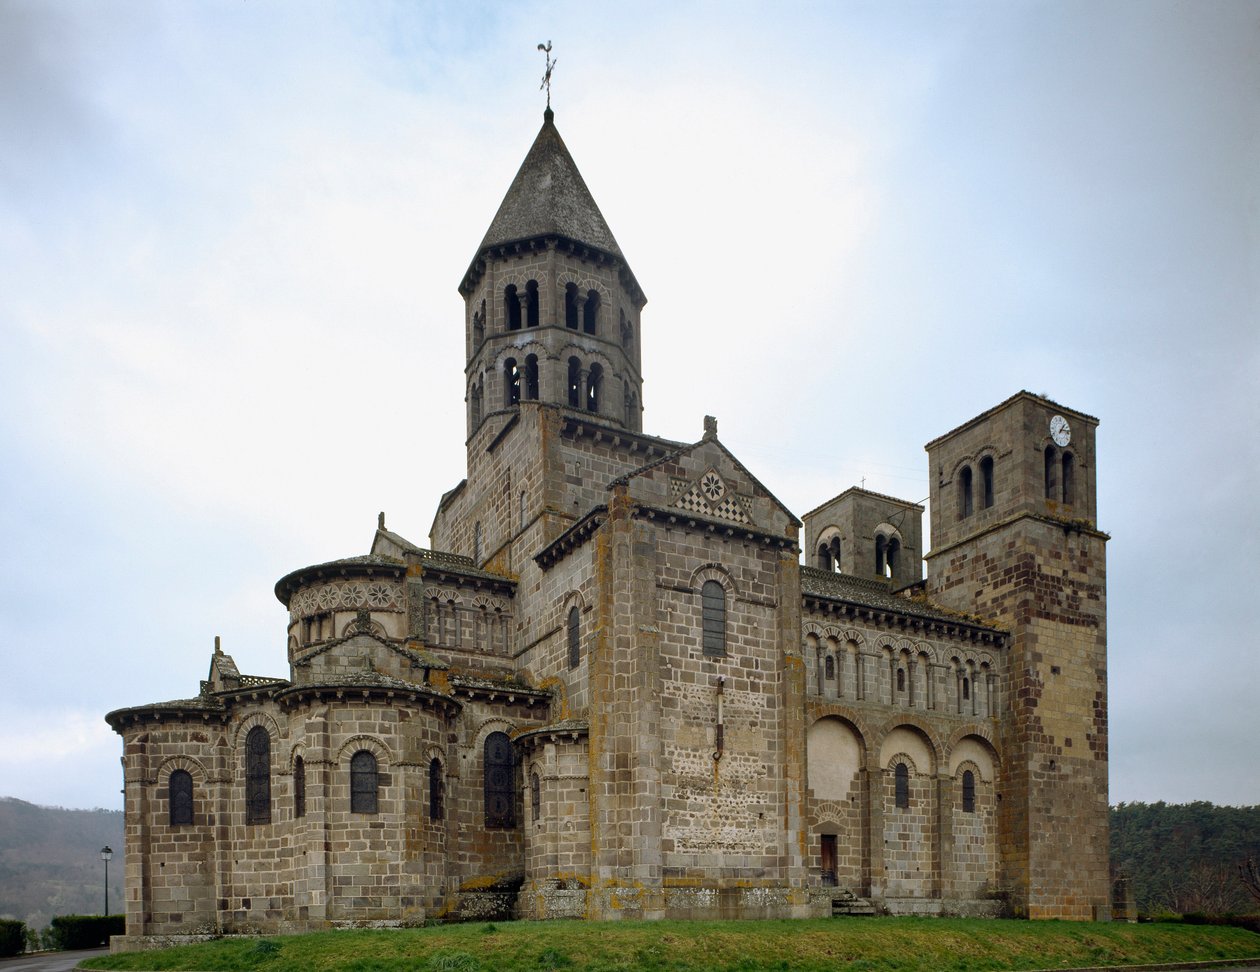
(548, 197)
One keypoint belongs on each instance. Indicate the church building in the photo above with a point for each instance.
(622, 680)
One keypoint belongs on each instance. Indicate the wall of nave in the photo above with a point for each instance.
(901, 816)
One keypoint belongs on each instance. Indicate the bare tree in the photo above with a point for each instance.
(1250, 874)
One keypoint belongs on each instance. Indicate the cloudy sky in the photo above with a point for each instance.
(231, 235)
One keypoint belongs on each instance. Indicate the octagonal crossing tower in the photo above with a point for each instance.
(1014, 539)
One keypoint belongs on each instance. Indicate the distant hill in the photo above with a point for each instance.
(1184, 857)
(50, 861)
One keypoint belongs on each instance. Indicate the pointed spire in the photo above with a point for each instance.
(548, 197)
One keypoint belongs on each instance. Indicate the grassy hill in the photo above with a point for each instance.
(50, 861)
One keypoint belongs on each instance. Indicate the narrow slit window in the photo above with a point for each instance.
(180, 793)
(986, 481)
(364, 782)
(968, 792)
(299, 787)
(575, 638)
(713, 611)
(901, 782)
(258, 776)
(437, 788)
(535, 795)
(498, 766)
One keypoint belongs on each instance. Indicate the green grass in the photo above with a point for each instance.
(866, 944)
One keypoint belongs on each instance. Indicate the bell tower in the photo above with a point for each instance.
(551, 305)
(1014, 539)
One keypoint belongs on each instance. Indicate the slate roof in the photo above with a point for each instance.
(548, 197)
(873, 594)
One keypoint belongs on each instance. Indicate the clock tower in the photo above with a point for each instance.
(1015, 540)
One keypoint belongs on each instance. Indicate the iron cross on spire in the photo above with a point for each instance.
(546, 78)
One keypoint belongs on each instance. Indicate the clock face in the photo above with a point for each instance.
(1060, 431)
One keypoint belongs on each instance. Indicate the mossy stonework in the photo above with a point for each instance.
(608, 688)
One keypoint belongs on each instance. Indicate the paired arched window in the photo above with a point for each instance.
(590, 312)
(575, 638)
(364, 782)
(500, 804)
(986, 482)
(437, 790)
(594, 388)
(901, 784)
(299, 787)
(180, 798)
(887, 555)
(571, 306)
(512, 307)
(258, 776)
(965, 499)
(531, 378)
(713, 616)
(531, 304)
(968, 792)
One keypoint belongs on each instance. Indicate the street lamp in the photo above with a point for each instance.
(107, 855)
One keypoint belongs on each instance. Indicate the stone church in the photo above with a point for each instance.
(622, 680)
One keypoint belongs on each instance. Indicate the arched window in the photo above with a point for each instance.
(258, 776)
(511, 382)
(830, 667)
(892, 557)
(575, 638)
(1068, 485)
(535, 795)
(364, 781)
(590, 312)
(500, 804)
(531, 304)
(969, 791)
(881, 549)
(594, 386)
(571, 306)
(901, 780)
(964, 492)
(512, 306)
(901, 679)
(986, 482)
(475, 395)
(522, 510)
(575, 383)
(531, 377)
(299, 787)
(966, 687)
(180, 798)
(437, 787)
(1050, 473)
(713, 611)
(834, 549)
(479, 325)
(824, 557)
(627, 333)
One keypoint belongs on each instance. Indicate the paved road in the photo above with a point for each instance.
(50, 961)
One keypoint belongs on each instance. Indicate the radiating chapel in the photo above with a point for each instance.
(622, 680)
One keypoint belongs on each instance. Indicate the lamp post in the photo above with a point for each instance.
(107, 855)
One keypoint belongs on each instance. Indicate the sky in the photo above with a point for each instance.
(231, 235)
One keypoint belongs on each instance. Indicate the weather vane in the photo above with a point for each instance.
(546, 79)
